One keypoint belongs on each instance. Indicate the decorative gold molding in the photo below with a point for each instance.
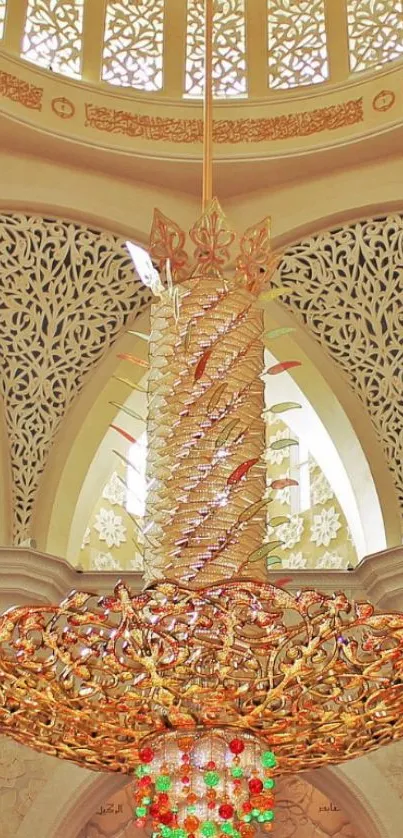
(232, 131)
(20, 91)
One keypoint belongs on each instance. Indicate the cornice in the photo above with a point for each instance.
(29, 576)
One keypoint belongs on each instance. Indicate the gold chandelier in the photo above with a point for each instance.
(212, 681)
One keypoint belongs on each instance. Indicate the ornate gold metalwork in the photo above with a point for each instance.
(317, 678)
(314, 676)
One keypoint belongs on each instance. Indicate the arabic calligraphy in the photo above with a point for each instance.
(110, 809)
(20, 91)
(330, 808)
(231, 131)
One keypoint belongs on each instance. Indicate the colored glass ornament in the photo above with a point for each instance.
(163, 782)
(146, 754)
(268, 759)
(211, 778)
(236, 746)
(208, 829)
(255, 785)
(226, 811)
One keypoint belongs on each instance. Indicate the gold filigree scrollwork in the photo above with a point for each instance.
(212, 237)
(167, 241)
(317, 677)
(256, 259)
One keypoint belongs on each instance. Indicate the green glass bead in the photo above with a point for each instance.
(237, 772)
(227, 828)
(261, 818)
(163, 782)
(208, 829)
(268, 759)
(211, 779)
(146, 801)
(236, 834)
(141, 811)
(191, 809)
(269, 783)
(247, 818)
(269, 815)
(141, 770)
(166, 832)
(179, 833)
(255, 813)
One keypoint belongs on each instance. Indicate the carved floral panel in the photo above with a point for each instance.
(346, 286)
(67, 292)
(297, 43)
(375, 29)
(229, 49)
(133, 44)
(53, 35)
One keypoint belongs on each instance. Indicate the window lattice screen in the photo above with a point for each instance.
(297, 43)
(53, 35)
(2, 16)
(133, 44)
(229, 53)
(375, 32)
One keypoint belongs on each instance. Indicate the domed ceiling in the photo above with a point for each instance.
(290, 76)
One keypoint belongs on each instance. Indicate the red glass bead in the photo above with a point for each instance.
(246, 807)
(146, 754)
(166, 818)
(236, 746)
(210, 766)
(145, 781)
(163, 798)
(212, 804)
(226, 811)
(255, 785)
(185, 780)
(154, 810)
(140, 823)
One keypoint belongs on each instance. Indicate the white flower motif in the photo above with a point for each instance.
(114, 491)
(104, 561)
(321, 490)
(276, 457)
(110, 527)
(283, 496)
(325, 527)
(86, 538)
(137, 563)
(272, 418)
(331, 561)
(291, 533)
(296, 561)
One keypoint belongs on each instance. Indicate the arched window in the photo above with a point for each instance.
(53, 35)
(375, 32)
(229, 49)
(133, 44)
(297, 43)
